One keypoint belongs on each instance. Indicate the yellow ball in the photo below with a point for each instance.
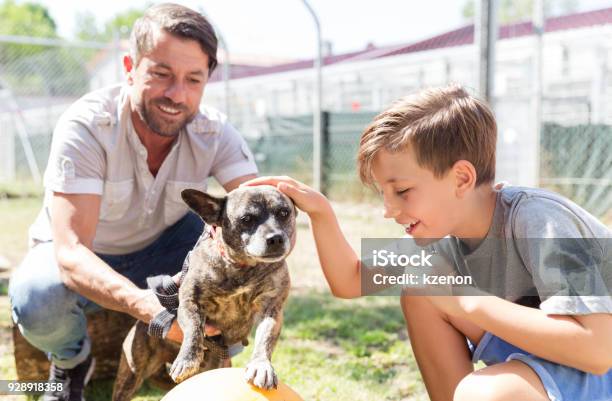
(227, 384)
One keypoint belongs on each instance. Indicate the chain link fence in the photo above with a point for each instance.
(576, 161)
(286, 148)
(39, 79)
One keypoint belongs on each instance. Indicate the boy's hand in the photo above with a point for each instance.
(304, 197)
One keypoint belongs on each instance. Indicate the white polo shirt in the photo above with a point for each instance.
(95, 150)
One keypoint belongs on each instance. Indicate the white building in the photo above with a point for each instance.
(577, 82)
(577, 86)
(576, 54)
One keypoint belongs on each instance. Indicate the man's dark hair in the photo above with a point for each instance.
(177, 20)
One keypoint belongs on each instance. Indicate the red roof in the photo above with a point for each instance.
(243, 71)
(457, 37)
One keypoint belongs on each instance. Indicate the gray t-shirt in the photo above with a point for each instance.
(541, 250)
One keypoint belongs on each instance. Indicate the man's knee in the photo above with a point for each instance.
(37, 308)
(38, 297)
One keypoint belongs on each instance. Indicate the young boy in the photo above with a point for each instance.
(432, 157)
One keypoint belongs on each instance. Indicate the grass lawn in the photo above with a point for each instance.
(333, 350)
(16, 216)
(330, 349)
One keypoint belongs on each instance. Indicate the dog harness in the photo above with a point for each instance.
(166, 291)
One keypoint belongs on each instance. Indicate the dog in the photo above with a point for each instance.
(235, 276)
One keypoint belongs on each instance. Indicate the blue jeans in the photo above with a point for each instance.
(53, 318)
(561, 383)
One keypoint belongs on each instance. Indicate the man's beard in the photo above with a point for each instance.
(150, 114)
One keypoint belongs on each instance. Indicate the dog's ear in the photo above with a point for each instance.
(209, 208)
(295, 209)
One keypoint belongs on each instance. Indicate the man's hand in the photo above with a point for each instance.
(176, 334)
(304, 197)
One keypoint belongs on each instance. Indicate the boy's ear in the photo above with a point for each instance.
(465, 177)
(209, 208)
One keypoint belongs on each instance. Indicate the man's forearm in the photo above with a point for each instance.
(85, 273)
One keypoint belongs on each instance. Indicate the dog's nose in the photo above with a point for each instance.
(274, 240)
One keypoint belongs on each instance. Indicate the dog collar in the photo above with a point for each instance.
(212, 232)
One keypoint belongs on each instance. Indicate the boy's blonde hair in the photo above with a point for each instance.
(443, 125)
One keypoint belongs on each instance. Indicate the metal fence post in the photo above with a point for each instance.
(316, 121)
(326, 161)
(485, 35)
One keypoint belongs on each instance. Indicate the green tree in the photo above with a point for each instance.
(120, 24)
(32, 69)
(510, 11)
(25, 19)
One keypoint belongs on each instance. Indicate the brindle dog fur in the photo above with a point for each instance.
(235, 279)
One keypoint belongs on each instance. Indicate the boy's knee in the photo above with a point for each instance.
(492, 387)
(417, 305)
(411, 302)
(474, 387)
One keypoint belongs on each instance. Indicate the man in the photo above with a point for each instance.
(113, 214)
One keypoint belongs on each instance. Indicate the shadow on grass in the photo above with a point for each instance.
(330, 349)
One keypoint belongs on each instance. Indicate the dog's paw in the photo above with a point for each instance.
(261, 373)
(184, 368)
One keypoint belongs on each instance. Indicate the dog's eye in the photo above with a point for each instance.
(247, 218)
(283, 213)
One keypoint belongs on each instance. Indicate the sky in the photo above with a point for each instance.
(285, 29)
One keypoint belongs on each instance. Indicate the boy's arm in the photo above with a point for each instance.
(581, 341)
(340, 264)
(338, 260)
